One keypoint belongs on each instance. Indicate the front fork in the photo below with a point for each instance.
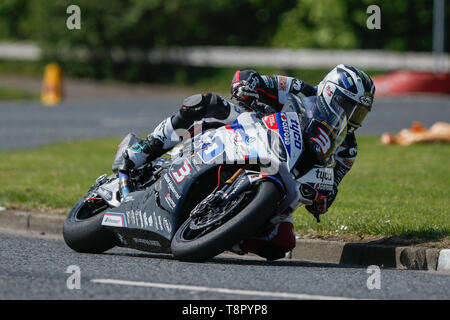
(218, 198)
(233, 187)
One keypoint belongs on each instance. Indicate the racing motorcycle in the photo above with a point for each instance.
(219, 187)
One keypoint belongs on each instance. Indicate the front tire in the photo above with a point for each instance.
(242, 226)
(87, 235)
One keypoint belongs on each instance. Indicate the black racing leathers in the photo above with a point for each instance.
(273, 89)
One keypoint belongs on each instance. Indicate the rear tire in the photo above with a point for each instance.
(87, 235)
(242, 226)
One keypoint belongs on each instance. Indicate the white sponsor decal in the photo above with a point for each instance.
(182, 173)
(167, 225)
(171, 187)
(113, 220)
(145, 219)
(160, 223)
(155, 221)
(128, 199)
(169, 201)
(150, 221)
(319, 177)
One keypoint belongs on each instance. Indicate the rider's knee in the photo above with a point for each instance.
(194, 107)
(207, 105)
(268, 250)
(285, 236)
(280, 240)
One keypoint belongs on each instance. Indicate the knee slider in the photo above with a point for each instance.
(193, 107)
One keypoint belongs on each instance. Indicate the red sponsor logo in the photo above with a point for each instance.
(323, 141)
(348, 162)
(282, 81)
(271, 122)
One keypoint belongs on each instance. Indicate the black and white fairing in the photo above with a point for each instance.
(147, 220)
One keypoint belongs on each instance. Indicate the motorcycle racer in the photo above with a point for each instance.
(343, 87)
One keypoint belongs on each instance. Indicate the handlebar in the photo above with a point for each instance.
(258, 107)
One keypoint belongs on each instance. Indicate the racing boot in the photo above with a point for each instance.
(135, 156)
(140, 153)
(162, 139)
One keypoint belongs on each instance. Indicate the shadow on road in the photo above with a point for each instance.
(238, 260)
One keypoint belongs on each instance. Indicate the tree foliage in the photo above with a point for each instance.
(405, 25)
(146, 24)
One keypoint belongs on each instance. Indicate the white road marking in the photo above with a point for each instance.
(286, 295)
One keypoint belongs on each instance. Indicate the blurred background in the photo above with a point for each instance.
(139, 50)
(134, 40)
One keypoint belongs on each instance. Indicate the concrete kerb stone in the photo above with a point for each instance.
(35, 222)
(333, 252)
(364, 254)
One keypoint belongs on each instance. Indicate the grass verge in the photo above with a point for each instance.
(392, 191)
(17, 94)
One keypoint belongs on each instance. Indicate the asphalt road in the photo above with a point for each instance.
(34, 267)
(24, 125)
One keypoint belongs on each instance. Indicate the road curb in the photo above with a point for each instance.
(333, 252)
(35, 222)
(366, 254)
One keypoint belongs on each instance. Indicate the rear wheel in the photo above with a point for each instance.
(204, 237)
(83, 230)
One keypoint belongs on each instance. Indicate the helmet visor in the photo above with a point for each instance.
(358, 115)
(355, 112)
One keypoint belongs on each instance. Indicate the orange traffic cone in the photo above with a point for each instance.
(52, 85)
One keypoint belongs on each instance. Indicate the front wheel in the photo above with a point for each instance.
(201, 240)
(83, 230)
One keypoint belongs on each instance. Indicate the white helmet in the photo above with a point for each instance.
(349, 88)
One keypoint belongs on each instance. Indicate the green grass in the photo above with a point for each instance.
(22, 67)
(17, 94)
(391, 191)
(53, 176)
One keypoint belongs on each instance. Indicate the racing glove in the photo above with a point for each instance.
(322, 202)
(243, 92)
